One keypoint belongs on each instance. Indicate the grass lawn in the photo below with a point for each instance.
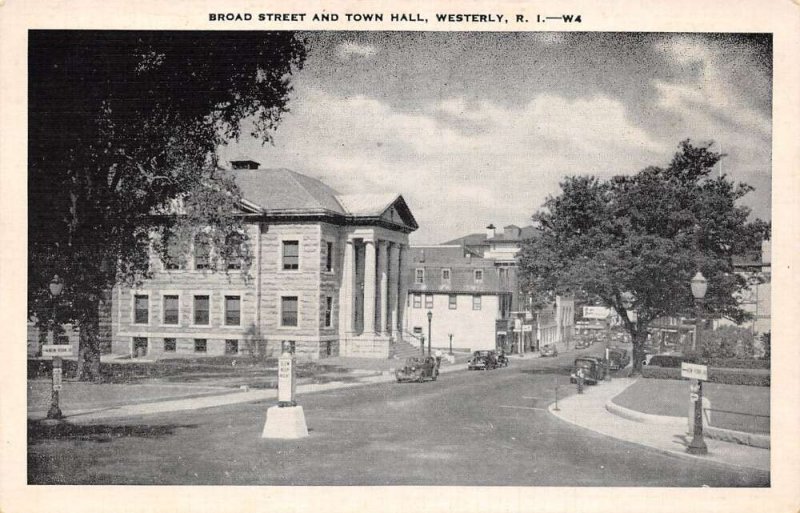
(214, 371)
(671, 397)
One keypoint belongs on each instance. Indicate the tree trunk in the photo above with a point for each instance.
(89, 347)
(638, 356)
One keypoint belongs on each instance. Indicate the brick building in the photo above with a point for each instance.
(324, 277)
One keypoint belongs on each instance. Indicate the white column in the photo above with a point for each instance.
(383, 273)
(370, 276)
(347, 290)
(394, 287)
(402, 287)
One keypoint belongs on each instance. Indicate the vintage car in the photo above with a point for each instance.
(618, 358)
(483, 360)
(418, 368)
(582, 343)
(548, 350)
(594, 370)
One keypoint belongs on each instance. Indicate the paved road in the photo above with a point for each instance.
(468, 428)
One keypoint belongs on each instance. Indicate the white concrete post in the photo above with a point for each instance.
(370, 276)
(394, 288)
(383, 270)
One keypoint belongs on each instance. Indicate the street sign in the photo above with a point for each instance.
(57, 378)
(286, 379)
(57, 350)
(694, 371)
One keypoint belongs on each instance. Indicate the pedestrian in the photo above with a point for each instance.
(580, 375)
(438, 355)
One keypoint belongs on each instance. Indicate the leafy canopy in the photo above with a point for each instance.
(123, 123)
(636, 241)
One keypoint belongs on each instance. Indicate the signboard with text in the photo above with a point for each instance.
(596, 312)
(286, 379)
(57, 350)
(694, 371)
(57, 378)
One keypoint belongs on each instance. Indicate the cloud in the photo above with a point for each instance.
(476, 162)
(352, 50)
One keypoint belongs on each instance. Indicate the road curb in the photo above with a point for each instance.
(713, 432)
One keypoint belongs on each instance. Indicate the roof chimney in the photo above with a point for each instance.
(490, 231)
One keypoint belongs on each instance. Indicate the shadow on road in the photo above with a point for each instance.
(100, 433)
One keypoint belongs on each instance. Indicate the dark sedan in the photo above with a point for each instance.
(483, 360)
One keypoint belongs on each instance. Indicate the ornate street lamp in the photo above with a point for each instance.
(54, 413)
(430, 317)
(698, 445)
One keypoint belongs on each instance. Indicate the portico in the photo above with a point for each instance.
(372, 292)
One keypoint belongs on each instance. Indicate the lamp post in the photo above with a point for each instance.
(430, 317)
(54, 413)
(698, 445)
(451, 343)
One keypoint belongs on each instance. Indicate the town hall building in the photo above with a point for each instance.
(324, 277)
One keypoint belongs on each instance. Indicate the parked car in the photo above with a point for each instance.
(502, 360)
(618, 358)
(665, 360)
(548, 350)
(594, 370)
(483, 360)
(418, 368)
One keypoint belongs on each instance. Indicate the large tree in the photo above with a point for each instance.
(122, 124)
(635, 241)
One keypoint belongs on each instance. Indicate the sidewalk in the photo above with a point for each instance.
(588, 410)
(225, 397)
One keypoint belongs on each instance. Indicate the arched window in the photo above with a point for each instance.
(202, 252)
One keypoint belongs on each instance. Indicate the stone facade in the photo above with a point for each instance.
(292, 295)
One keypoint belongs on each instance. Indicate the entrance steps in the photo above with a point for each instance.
(402, 349)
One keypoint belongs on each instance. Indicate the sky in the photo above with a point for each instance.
(474, 128)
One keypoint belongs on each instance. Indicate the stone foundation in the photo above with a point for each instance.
(366, 346)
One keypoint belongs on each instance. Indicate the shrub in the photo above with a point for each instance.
(728, 342)
(765, 343)
(739, 363)
(753, 377)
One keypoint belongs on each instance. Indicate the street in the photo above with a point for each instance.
(467, 428)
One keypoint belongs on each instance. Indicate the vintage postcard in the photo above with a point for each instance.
(336, 256)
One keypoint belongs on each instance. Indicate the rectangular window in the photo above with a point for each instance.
(291, 255)
(200, 345)
(329, 256)
(478, 275)
(141, 312)
(445, 274)
(428, 301)
(419, 276)
(139, 346)
(503, 274)
(202, 252)
(235, 251)
(417, 300)
(231, 347)
(476, 302)
(289, 311)
(171, 310)
(233, 310)
(201, 310)
(288, 346)
(169, 345)
(328, 311)
(452, 301)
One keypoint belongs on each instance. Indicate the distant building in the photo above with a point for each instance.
(323, 278)
(468, 296)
